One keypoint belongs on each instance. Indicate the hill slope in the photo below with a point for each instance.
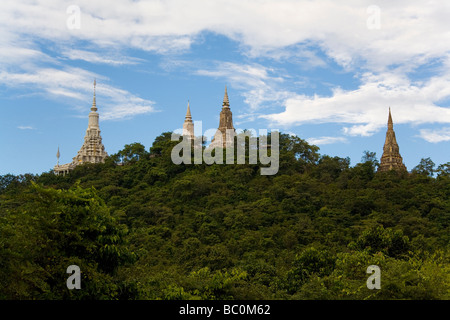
(149, 229)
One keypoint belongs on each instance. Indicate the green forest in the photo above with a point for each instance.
(141, 227)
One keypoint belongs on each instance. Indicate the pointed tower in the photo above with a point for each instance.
(225, 123)
(391, 158)
(92, 149)
(188, 125)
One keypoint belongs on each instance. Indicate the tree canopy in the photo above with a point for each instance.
(141, 227)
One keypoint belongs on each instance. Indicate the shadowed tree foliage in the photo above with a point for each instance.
(443, 170)
(425, 167)
(131, 153)
(388, 241)
(51, 229)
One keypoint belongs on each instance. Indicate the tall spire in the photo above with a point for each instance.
(188, 113)
(390, 123)
(391, 158)
(92, 150)
(94, 103)
(226, 102)
(188, 125)
(225, 124)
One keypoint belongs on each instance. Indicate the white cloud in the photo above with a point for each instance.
(326, 140)
(435, 136)
(76, 84)
(366, 108)
(340, 29)
(25, 128)
(364, 130)
(301, 55)
(25, 65)
(412, 33)
(22, 67)
(121, 104)
(13, 54)
(259, 83)
(94, 57)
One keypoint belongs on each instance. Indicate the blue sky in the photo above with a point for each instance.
(326, 71)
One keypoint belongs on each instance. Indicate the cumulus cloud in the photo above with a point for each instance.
(326, 140)
(365, 109)
(435, 136)
(39, 72)
(340, 29)
(94, 57)
(77, 84)
(410, 35)
(260, 84)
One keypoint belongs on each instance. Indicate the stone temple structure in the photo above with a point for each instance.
(391, 158)
(225, 123)
(92, 150)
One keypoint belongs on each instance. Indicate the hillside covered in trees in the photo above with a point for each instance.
(141, 227)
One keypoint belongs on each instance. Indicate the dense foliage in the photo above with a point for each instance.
(141, 227)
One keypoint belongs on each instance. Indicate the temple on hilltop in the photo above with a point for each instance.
(92, 150)
(391, 158)
(225, 123)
